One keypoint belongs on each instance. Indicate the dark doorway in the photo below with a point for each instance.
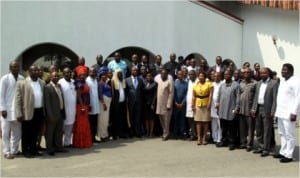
(46, 54)
(127, 52)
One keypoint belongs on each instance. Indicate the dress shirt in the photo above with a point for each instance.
(262, 91)
(37, 92)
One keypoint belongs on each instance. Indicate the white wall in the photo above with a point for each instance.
(259, 27)
(90, 28)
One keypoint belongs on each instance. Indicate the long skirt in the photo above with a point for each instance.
(81, 131)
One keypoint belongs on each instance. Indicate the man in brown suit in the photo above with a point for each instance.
(29, 110)
(55, 114)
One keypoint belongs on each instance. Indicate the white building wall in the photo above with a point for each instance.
(91, 28)
(260, 25)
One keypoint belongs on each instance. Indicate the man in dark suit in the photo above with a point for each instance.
(263, 109)
(54, 110)
(134, 86)
(218, 67)
(172, 66)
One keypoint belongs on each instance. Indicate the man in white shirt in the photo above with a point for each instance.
(29, 110)
(215, 120)
(92, 82)
(69, 95)
(11, 128)
(288, 108)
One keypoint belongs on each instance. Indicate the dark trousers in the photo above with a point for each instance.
(191, 127)
(264, 129)
(93, 120)
(54, 134)
(30, 130)
(178, 121)
(229, 131)
(135, 119)
(119, 123)
(246, 127)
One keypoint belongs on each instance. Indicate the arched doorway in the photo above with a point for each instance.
(196, 56)
(127, 52)
(46, 54)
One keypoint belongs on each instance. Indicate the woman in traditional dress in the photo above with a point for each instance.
(81, 133)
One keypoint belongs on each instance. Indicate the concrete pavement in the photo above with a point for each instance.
(151, 158)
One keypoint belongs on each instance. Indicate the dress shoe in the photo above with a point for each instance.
(220, 144)
(242, 147)
(28, 155)
(165, 138)
(52, 153)
(96, 141)
(257, 151)
(249, 148)
(286, 160)
(231, 147)
(264, 154)
(69, 146)
(61, 150)
(17, 153)
(38, 154)
(278, 156)
(9, 156)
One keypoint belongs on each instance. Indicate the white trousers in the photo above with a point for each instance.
(216, 129)
(286, 130)
(68, 129)
(11, 136)
(103, 119)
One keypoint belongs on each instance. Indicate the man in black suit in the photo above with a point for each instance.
(263, 109)
(218, 67)
(134, 86)
(172, 66)
(54, 109)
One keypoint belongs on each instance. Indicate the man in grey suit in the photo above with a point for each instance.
(263, 108)
(29, 110)
(55, 114)
(134, 86)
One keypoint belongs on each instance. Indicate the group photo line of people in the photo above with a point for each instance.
(221, 105)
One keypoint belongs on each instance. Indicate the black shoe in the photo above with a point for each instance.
(231, 147)
(286, 160)
(278, 156)
(69, 146)
(242, 147)
(17, 154)
(249, 148)
(61, 150)
(38, 154)
(220, 144)
(28, 155)
(257, 151)
(52, 153)
(41, 148)
(264, 154)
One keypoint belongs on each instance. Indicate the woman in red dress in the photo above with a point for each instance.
(81, 131)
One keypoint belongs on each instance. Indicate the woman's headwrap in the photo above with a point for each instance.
(101, 71)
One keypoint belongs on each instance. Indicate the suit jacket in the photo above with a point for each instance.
(134, 96)
(269, 98)
(222, 68)
(51, 103)
(24, 98)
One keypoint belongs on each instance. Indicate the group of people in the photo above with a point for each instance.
(182, 100)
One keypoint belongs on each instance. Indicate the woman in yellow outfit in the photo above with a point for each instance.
(202, 93)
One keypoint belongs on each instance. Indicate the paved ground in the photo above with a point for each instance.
(151, 158)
